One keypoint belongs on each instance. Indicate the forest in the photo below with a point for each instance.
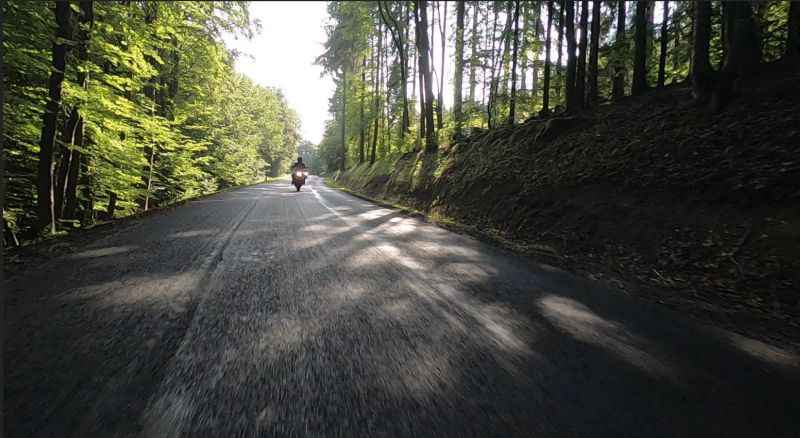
(114, 108)
(516, 60)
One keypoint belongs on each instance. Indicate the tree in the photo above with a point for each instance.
(701, 72)
(662, 58)
(618, 91)
(44, 180)
(580, 77)
(458, 76)
(426, 88)
(592, 95)
(571, 92)
(396, 32)
(640, 49)
(512, 110)
(376, 97)
(362, 118)
(443, 42)
(793, 33)
(548, 44)
(473, 59)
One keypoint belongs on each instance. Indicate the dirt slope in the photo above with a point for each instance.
(665, 198)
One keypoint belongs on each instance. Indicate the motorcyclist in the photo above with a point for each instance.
(299, 165)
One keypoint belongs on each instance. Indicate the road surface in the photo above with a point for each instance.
(265, 312)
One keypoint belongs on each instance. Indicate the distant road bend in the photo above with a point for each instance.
(266, 312)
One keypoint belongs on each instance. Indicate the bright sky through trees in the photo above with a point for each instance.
(282, 56)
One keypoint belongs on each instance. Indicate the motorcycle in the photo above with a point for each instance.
(299, 178)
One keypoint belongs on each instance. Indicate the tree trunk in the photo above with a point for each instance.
(560, 50)
(493, 74)
(571, 92)
(538, 35)
(67, 139)
(513, 103)
(440, 98)
(618, 90)
(473, 60)
(9, 238)
(523, 50)
(71, 188)
(580, 78)
(662, 58)
(377, 105)
(362, 118)
(458, 76)
(506, 58)
(112, 205)
(742, 45)
(402, 53)
(87, 204)
(151, 168)
(343, 161)
(592, 95)
(425, 71)
(46, 215)
(793, 37)
(701, 72)
(640, 50)
(546, 90)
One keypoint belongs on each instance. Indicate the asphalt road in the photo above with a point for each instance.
(265, 312)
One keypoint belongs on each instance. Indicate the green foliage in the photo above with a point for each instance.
(160, 82)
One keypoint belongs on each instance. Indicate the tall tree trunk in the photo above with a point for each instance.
(362, 118)
(44, 180)
(793, 36)
(513, 104)
(523, 50)
(402, 53)
(87, 204)
(440, 98)
(343, 161)
(580, 78)
(70, 192)
(742, 45)
(377, 105)
(458, 76)
(538, 36)
(560, 50)
(546, 90)
(493, 74)
(67, 139)
(473, 60)
(506, 56)
(594, 45)
(425, 69)
(662, 56)
(701, 72)
(618, 90)
(742, 50)
(71, 189)
(569, 20)
(640, 50)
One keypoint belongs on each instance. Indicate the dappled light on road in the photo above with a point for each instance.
(577, 320)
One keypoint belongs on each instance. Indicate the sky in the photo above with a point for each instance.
(282, 56)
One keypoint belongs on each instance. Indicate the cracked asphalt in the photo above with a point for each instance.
(266, 312)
